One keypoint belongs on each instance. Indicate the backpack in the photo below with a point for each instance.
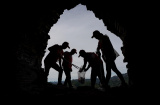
(54, 47)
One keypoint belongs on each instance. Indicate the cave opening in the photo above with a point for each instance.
(76, 26)
(29, 37)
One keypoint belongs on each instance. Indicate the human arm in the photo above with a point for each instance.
(61, 53)
(84, 65)
(60, 62)
(87, 67)
(98, 48)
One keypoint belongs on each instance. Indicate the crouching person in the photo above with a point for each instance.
(96, 65)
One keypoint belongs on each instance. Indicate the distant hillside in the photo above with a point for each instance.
(114, 81)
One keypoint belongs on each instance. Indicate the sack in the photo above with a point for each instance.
(81, 77)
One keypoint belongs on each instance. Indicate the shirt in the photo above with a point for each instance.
(93, 59)
(106, 47)
(67, 62)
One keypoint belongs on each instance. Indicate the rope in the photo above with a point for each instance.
(76, 66)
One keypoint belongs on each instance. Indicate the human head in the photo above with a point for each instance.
(81, 53)
(73, 51)
(96, 34)
(65, 45)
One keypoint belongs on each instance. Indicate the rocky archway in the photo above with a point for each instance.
(29, 34)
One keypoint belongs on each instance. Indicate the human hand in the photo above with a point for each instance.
(85, 70)
(80, 70)
(98, 53)
(61, 68)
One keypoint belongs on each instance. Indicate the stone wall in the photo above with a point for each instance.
(26, 32)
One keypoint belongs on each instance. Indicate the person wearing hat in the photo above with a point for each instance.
(96, 65)
(109, 55)
(55, 54)
(67, 66)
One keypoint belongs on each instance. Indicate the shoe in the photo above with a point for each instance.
(65, 85)
(102, 89)
(59, 84)
(71, 86)
(124, 85)
(107, 87)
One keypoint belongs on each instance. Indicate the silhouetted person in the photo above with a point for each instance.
(56, 53)
(67, 66)
(96, 65)
(109, 55)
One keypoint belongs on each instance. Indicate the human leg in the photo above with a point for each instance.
(108, 74)
(46, 72)
(65, 81)
(114, 68)
(68, 77)
(108, 70)
(60, 77)
(101, 75)
(93, 77)
(60, 72)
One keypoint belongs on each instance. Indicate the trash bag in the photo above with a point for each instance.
(81, 77)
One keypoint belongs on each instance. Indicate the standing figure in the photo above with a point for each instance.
(109, 55)
(67, 66)
(56, 53)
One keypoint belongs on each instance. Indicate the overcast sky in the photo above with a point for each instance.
(76, 26)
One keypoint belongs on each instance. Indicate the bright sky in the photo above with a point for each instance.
(76, 26)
